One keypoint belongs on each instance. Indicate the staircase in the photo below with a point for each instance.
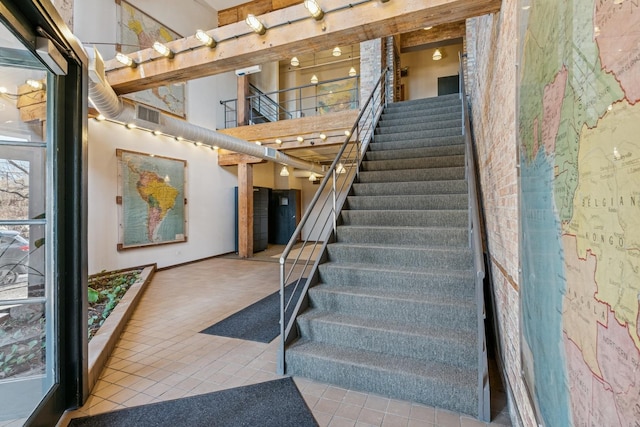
(395, 312)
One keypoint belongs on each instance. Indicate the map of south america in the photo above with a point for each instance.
(160, 198)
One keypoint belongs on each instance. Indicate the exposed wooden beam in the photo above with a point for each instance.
(290, 31)
(257, 7)
(245, 210)
(415, 39)
(230, 158)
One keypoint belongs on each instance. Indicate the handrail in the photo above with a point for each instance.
(484, 411)
(344, 169)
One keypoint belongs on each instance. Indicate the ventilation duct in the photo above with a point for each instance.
(111, 106)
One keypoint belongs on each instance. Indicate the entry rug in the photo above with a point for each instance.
(258, 322)
(275, 403)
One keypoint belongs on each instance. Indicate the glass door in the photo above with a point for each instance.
(43, 113)
(27, 312)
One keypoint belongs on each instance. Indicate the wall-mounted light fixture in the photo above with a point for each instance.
(323, 137)
(336, 51)
(205, 39)
(255, 24)
(278, 141)
(258, 143)
(131, 126)
(437, 55)
(125, 60)
(163, 50)
(294, 61)
(314, 9)
(300, 139)
(284, 171)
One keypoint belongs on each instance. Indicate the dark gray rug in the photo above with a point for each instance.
(275, 403)
(258, 322)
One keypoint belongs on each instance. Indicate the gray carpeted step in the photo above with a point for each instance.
(412, 308)
(408, 175)
(406, 256)
(429, 383)
(404, 127)
(433, 218)
(424, 103)
(458, 283)
(420, 134)
(412, 236)
(416, 143)
(446, 114)
(415, 187)
(410, 153)
(417, 163)
(438, 344)
(409, 202)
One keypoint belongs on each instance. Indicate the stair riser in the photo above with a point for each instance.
(431, 348)
(418, 127)
(416, 202)
(453, 150)
(451, 111)
(435, 133)
(418, 313)
(410, 188)
(454, 259)
(416, 143)
(411, 237)
(406, 218)
(426, 116)
(397, 386)
(409, 175)
(419, 163)
(461, 286)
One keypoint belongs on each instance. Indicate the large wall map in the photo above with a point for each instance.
(152, 199)
(579, 125)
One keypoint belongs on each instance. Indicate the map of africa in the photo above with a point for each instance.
(139, 31)
(152, 199)
(579, 125)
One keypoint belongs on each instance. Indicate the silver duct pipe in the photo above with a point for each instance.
(111, 106)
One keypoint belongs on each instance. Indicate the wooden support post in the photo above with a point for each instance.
(245, 210)
(243, 103)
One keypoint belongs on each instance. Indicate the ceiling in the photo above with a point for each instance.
(222, 4)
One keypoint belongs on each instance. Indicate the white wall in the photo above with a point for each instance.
(209, 192)
(422, 81)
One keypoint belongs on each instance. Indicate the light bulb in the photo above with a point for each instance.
(294, 61)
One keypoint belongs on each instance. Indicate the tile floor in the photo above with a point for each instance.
(162, 356)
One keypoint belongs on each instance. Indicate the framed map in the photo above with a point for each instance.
(137, 31)
(337, 96)
(151, 199)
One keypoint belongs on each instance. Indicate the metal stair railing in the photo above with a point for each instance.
(475, 241)
(320, 221)
(263, 107)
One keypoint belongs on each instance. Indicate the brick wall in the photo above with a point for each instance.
(491, 60)
(371, 56)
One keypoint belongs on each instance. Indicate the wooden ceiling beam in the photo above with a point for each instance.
(290, 31)
(415, 39)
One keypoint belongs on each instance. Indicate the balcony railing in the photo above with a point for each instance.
(302, 101)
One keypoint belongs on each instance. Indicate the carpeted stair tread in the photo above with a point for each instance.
(414, 380)
(406, 235)
(433, 102)
(407, 175)
(412, 202)
(418, 218)
(418, 134)
(402, 127)
(394, 144)
(451, 186)
(409, 256)
(369, 333)
(431, 115)
(410, 153)
(415, 163)
(410, 279)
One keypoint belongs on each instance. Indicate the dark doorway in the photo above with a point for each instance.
(284, 215)
(448, 85)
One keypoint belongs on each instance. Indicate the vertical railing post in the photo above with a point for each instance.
(281, 367)
(335, 204)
